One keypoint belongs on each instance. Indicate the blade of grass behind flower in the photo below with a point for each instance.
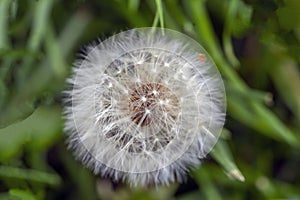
(286, 77)
(223, 156)
(255, 115)
(208, 39)
(133, 5)
(176, 19)
(21, 106)
(40, 19)
(55, 56)
(228, 49)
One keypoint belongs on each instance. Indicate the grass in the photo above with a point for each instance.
(255, 45)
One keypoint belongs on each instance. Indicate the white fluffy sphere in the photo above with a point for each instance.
(145, 105)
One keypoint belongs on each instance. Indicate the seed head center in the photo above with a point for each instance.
(150, 101)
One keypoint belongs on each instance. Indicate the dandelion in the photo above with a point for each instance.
(145, 105)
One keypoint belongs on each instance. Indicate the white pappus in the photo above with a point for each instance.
(145, 105)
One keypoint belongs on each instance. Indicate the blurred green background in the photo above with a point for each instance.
(255, 44)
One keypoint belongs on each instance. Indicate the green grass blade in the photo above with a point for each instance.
(223, 156)
(4, 8)
(30, 175)
(228, 49)
(21, 194)
(208, 188)
(160, 12)
(40, 19)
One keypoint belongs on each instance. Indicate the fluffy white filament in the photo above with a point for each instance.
(145, 105)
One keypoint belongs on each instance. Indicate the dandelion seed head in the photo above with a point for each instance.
(143, 107)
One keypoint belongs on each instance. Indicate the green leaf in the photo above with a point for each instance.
(289, 16)
(286, 77)
(206, 184)
(17, 112)
(248, 110)
(229, 23)
(22, 194)
(223, 156)
(38, 131)
(133, 5)
(40, 18)
(22, 103)
(30, 175)
(55, 55)
(4, 5)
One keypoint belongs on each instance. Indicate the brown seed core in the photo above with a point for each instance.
(151, 99)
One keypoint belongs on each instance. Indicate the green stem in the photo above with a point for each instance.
(155, 21)
(160, 12)
(228, 49)
(207, 36)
